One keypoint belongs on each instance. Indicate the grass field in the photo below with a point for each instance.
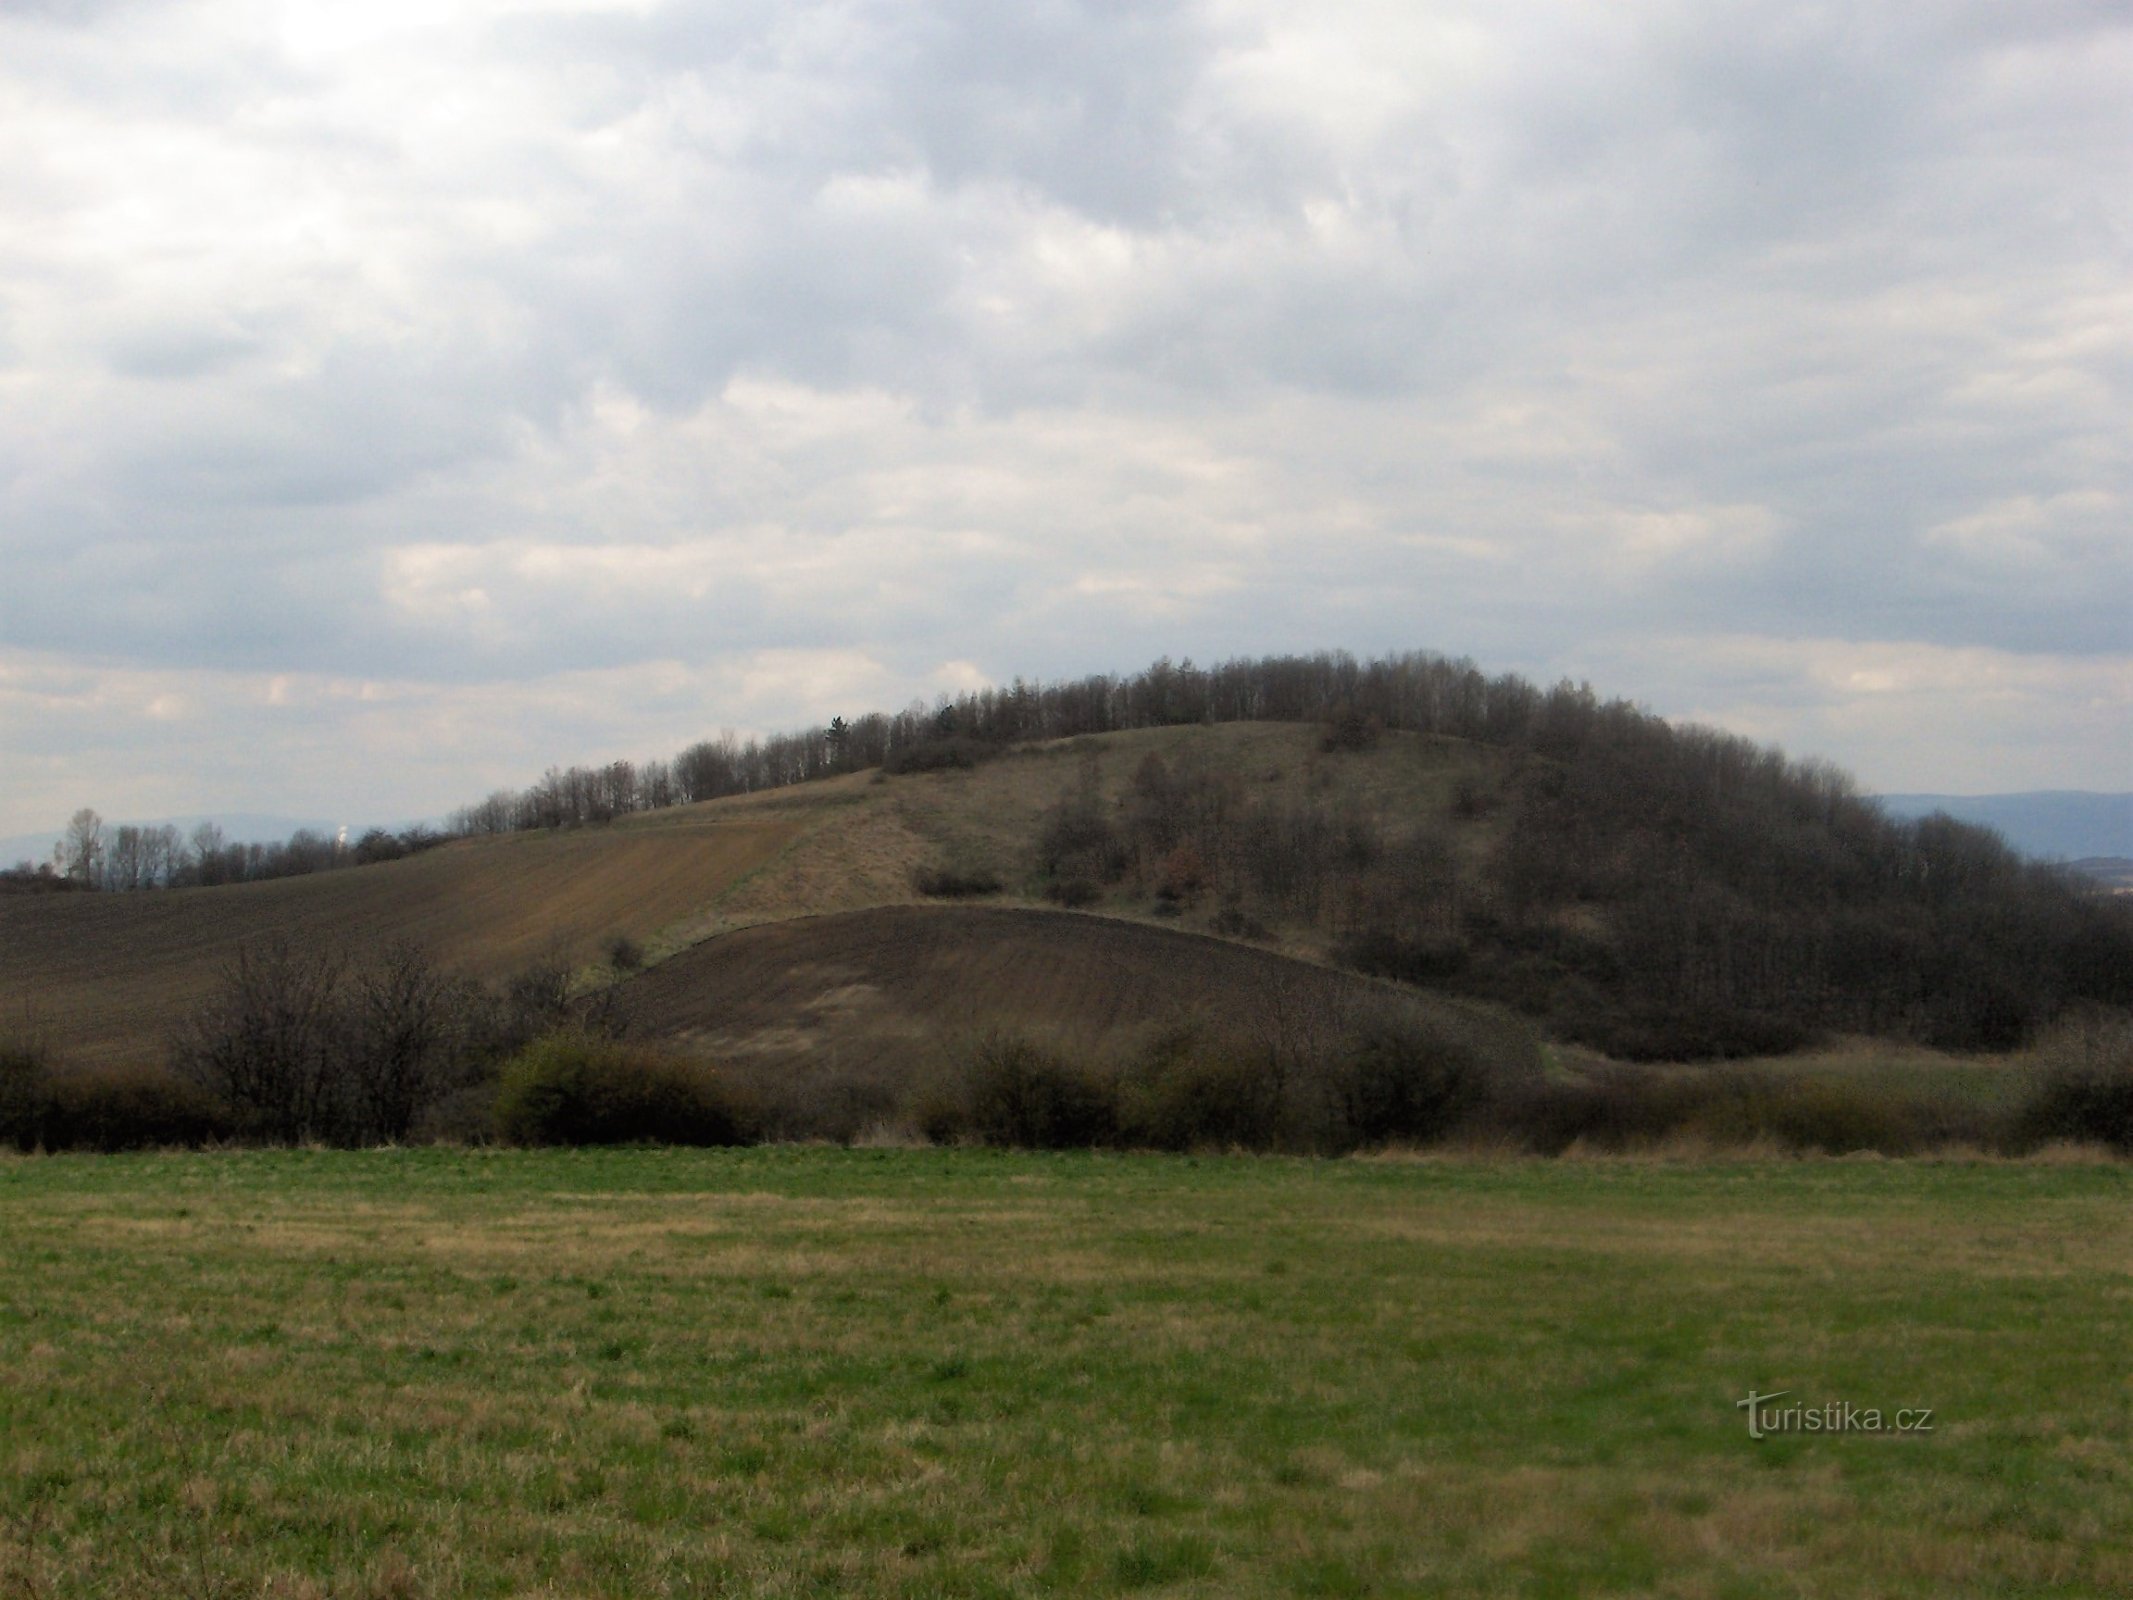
(891, 1372)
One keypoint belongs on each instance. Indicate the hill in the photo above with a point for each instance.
(1650, 891)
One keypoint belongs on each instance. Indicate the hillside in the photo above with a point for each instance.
(840, 1014)
(1647, 891)
(106, 976)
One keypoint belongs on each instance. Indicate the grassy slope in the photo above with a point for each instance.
(807, 1371)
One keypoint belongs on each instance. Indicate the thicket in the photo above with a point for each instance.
(581, 1088)
(1391, 1078)
(1387, 1079)
(299, 1045)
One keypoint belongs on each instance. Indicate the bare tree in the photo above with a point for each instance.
(84, 846)
(269, 1041)
(403, 1035)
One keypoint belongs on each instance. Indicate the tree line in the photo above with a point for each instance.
(129, 857)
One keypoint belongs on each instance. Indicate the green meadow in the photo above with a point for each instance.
(815, 1371)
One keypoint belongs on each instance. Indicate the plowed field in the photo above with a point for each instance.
(883, 992)
(105, 976)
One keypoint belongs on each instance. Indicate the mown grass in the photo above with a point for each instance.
(793, 1371)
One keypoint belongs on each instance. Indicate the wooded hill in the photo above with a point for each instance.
(1656, 892)
(1653, 890)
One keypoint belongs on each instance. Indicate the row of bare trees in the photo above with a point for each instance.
(302, 1044)
(124, 857)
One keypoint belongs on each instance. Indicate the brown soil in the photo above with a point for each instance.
(106, 976)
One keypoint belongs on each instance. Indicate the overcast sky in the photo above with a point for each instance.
(397, 398)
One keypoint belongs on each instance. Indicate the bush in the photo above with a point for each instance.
(25, 1076)
(1196, 1095)
(955, 883)
(577, 1089)
(1019, 1094)
(100, 1108)
(2085, 1091)
(304, 1044)
(938, 755)
(1399, 1081)
(1075, 894)
(270, 1043)
(1348, 728)
(2095, 1109)
(130, 1108)
(1685, 1032)
(1385, 954)
(624, 954)
(1806, 1114)
(1625, 1107)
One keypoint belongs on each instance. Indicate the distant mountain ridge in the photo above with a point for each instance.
(2052, 824)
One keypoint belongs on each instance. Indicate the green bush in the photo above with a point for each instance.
(574, 1088)
(1806, 1114)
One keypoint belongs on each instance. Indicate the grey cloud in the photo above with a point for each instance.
(1802, 323)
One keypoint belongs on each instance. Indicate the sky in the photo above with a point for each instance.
(397, 399)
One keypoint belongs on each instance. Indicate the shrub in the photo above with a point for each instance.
(130, 1108)
(1385, 954)
(2098, 1109)
(1183, 875)
(955, 883)
(1018, 1093)
(1806, 1114)
(1193, 1095)
(938, 755)
(1074, 893)
(1660, 1032)
(269, 1043)
(575, 1088)
(1610, 1109)
(624, 954)
(303, 1044)
(2085, 1092)
(25, 1076)
(1400, 1081)
(1348, 728)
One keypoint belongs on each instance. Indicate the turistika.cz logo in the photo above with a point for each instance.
(1834, 1416)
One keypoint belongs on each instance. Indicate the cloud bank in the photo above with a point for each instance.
(395, 399)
